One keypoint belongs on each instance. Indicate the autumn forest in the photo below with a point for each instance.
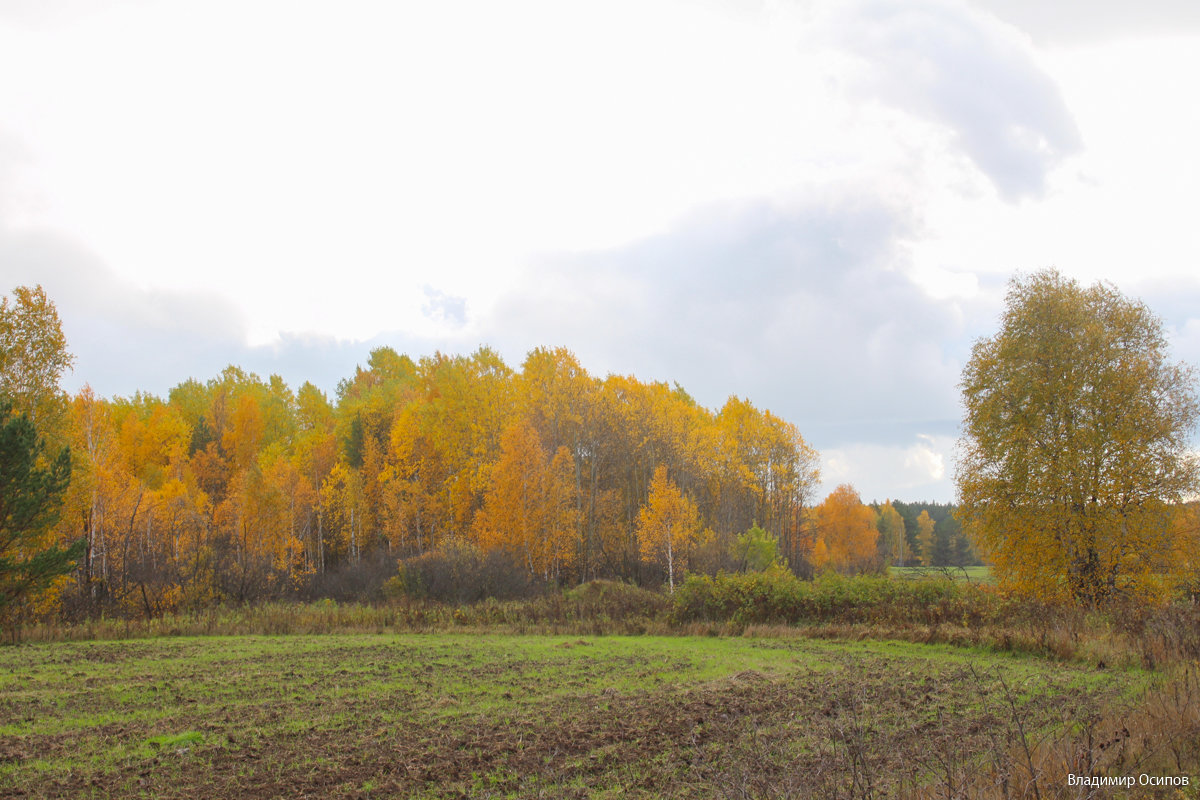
(241, 489)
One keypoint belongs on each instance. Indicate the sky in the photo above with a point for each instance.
(813, 205)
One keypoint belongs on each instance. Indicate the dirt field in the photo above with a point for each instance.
(453, 715)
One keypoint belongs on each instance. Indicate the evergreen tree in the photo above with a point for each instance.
(31, 492)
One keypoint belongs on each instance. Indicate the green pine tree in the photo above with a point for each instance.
(31, 492)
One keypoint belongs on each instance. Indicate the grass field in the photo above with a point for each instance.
(488, 715)
(976, 574)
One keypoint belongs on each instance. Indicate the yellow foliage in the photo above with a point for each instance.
(530, 509)
(925, 525)
(668, 524)
(1076, 449)
(845, 535)
(237, 488)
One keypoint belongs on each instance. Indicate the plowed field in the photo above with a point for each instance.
(470, 715)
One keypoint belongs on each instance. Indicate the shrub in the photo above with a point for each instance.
(777, 596)
(460, 572)
(362, 581)
(755, 550)
(612, 600)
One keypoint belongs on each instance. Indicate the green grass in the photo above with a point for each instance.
(975, 574)
(433, 715)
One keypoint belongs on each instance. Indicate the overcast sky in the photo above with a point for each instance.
(814, 205)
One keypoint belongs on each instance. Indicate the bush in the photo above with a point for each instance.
(1162, 633)
(613, 601)
(359, 582)
(777, 596)
(459, 572)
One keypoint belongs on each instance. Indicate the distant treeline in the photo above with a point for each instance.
(951, 548)
(240, 489)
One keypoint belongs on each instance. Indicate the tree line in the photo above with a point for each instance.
(923, 534)
(241, 488)
(1077, 478)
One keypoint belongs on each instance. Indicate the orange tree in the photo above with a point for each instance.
(845, 537)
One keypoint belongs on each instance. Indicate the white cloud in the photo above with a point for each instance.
(915, 471)
(382, 143)
(1100, 21)
(964, 70)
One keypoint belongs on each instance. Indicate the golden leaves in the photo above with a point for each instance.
(1076, 439)
(667, 525)
(239, 487)
(845, 537)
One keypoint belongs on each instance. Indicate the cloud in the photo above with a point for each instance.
(970, 73)
(1101, 20)
(124, 338)
(127, 338)
(922, 469)
(40, 13)
(801, 307)
(1177, 304)
(443, 308)
(1185, 342)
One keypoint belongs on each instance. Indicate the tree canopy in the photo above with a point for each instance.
(240, 488)
(1076, 452)
(33, 351)
(845, 536)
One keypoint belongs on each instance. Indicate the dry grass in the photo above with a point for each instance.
(600, 607)
(1157, 736)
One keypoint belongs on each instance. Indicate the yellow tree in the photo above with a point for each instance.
(241, 439)
(153, 444)
(94, 445)
(510, 519)
(464, 411)
(667, 525)
(286, 487)
(553, 390)
(33, 356)
(1186, 559)
(1076, 442)
(560, 521)
(117, 507)
(409, 485)
(181, 519)
(367, 410)
(925, 537)
(314, 453)
(648, 425)
(757, 468)
(894, 535)
(342, 500)
(845, 538)
(529, 510)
